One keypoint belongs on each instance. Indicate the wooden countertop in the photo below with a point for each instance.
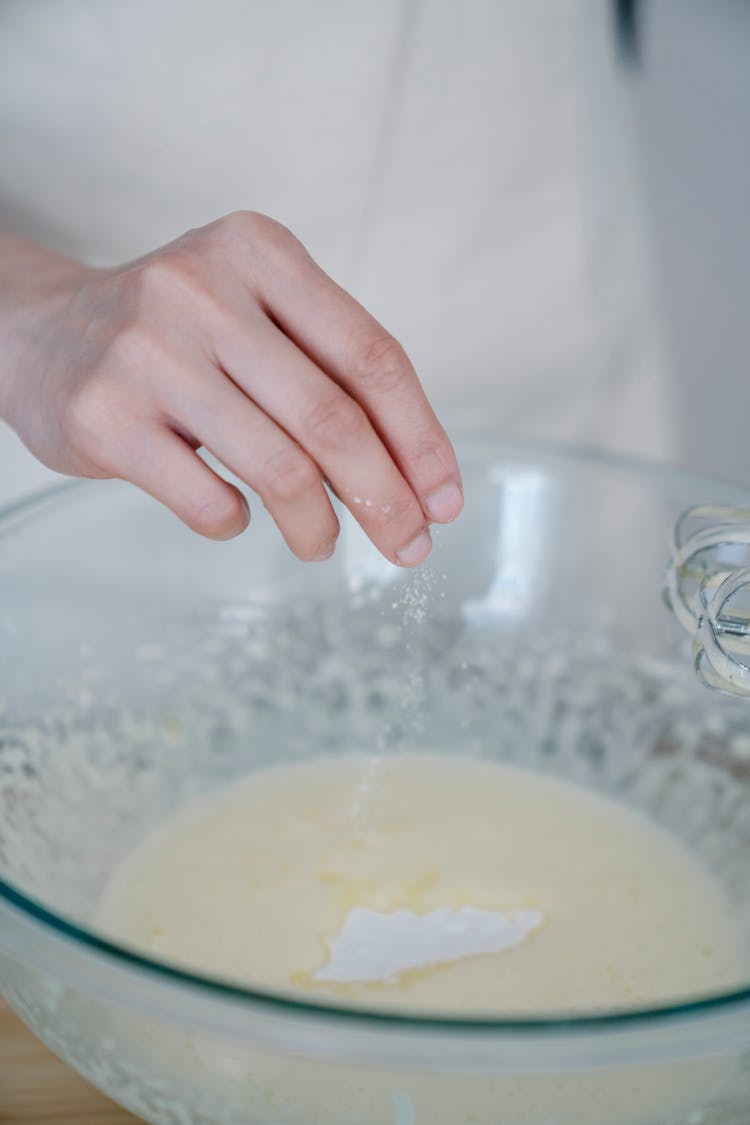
(36, 1086)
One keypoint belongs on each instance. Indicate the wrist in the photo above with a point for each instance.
(34, 283)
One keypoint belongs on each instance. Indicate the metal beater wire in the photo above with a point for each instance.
(705, 591)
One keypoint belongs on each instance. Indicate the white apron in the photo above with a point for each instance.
(463, 168)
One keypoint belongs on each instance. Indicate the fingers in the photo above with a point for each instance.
(260, 357)
(345, 341)
(258, 451)
(333, 429)
(170, 471)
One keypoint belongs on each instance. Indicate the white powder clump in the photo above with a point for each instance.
(375, 946)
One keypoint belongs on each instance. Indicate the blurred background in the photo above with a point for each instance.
(545, 200)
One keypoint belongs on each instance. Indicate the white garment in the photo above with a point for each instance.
(462, 168)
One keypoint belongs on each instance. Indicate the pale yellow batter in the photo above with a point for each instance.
(255, 882)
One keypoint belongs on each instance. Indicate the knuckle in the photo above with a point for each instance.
(171, 275)
(337, 421)
(240, 220)
(128, 347)
(86, 405)
(380, 363)
(158, 277)
(86, 419)
(432, 458)
(399, 509)
(228, 228)
(255, 226)
(289, 475)
(256, 243)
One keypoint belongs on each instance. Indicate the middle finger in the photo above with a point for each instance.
(333, 429)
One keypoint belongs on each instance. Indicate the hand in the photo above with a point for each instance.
(233, 339)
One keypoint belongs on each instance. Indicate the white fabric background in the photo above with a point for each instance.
(465, 169)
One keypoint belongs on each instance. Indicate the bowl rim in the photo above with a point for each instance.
(277, 1001)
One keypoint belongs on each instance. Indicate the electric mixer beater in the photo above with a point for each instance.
(707, 587)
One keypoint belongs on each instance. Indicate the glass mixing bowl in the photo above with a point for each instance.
(141, 665)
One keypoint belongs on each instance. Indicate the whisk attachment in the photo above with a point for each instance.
(707, 587)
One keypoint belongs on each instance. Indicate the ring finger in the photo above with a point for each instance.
(259, 452)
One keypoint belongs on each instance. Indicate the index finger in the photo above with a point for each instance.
(363, 358)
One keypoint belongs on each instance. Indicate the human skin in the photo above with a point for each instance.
(230, 338)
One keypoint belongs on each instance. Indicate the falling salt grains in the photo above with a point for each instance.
(417, 596)
(415, 599)
(359, 810)
(416, 602)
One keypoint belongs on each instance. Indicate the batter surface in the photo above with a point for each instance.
(258, 881)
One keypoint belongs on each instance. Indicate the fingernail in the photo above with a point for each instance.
(444, 504)
(325, 552)
(416, 551)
